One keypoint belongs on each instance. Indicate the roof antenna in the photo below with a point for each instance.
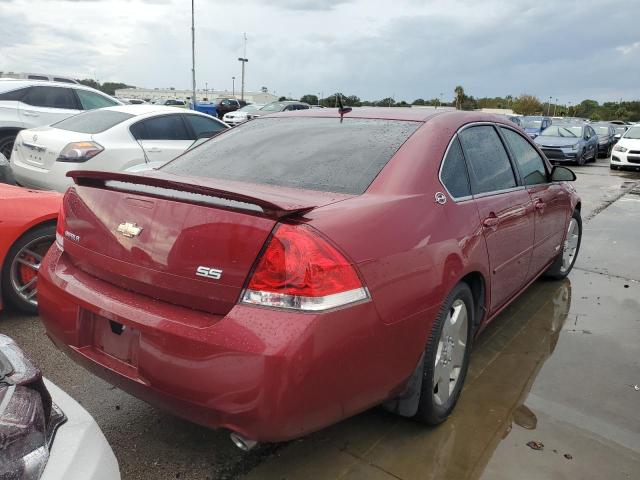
(144, 152)
(341, 108)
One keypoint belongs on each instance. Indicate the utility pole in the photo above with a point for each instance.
(243, 60)
(233, 86)
(193, 53)
(549, 106)
(555, 105)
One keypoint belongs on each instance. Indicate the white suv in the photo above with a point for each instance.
(33, 103)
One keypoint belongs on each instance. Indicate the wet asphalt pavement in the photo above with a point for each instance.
(557, 370)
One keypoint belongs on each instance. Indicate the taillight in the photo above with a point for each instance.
(78, 152)
(60, 226)
(301, 270)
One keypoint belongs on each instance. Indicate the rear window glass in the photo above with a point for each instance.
(311, 153)
(95, 121)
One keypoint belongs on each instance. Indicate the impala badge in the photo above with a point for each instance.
(129, 230)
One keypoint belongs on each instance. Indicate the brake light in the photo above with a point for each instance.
(78, 152)
(301, 270)
(60, 226)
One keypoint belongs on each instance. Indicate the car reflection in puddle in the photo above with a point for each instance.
(506, 360)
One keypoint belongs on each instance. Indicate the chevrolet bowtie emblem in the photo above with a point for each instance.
(129, 230)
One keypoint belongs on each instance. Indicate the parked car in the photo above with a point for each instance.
(173, 102)
(39, 76)
(6, 174)
(619, 131)
(515, 119)
(606, 137)
(226, 105)
(233, 286)
(32, 103)
(46, 434)
(626, 153)
(569, 142)
(533, 125)
(27, 230)
(113, 138)
(284, 106)
(241, 115)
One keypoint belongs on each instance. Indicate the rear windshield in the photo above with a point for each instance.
(94, 121)
(311, 153)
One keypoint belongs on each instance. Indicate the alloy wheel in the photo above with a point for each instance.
(25, 266)
(570, 245)
(452, 347)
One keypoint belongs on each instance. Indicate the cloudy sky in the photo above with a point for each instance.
(371, 48)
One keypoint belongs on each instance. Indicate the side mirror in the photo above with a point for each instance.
(617, 136)
(562, 174)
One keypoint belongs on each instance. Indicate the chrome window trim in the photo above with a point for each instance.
(498, 192)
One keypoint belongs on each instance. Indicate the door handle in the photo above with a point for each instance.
(154, 150)
(30, 114)
(539, 204)
(491, 221)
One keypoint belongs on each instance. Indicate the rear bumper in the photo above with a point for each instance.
(38, 178)
(79, 449)
(266, 374)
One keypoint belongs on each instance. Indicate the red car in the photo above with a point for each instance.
(304, 267)
(27, 230)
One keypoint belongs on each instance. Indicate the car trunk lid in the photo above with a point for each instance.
(40, 147)
(186, 241)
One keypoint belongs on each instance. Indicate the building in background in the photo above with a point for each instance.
(161, 94)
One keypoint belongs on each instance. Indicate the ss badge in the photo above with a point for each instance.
(209, 272)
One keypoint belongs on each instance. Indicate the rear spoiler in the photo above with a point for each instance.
(277, 208)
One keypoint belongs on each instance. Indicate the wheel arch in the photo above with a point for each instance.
(477, 283)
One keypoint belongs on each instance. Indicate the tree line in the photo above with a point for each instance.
(525, 104)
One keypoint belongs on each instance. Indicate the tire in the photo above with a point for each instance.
(614, 167)
(6, 144)
(563, 264)
(434, 407)
(582, 160)
(30, 247)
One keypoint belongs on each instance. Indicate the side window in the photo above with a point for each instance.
(51, 97)
(489, 166)
(529, 162)
(15, 95)
(203, 126)
(454, 174)
(90, 100)
(167, 127)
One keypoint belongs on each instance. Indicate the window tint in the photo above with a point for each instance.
(489, 166)
(95, 121)
(529, 162)
(51, 97)
(37, 77)
(90, 100)
(203, 126)
(312, 153)
(63, 80)
(454, 172)
(167, 127)
(14, 94)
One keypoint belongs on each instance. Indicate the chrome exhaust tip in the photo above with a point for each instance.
(242, 443)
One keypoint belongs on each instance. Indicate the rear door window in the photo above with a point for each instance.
(454, 174)
(15, 95)
(51, 97)
(311, 153)
(529, 163)
(203, 126)
(166, 127)
(91, 100)
(489, 166)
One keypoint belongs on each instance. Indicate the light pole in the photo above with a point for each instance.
(193, 54)
(555, 105)
(569, 110)
(206, 90)
(233, 86)
(244, 60)
(549, 106)
(318, 98)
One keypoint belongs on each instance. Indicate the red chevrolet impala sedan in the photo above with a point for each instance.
(304, 267)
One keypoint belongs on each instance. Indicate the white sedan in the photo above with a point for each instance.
(626, 153)
(111, 139)
(241, 115)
